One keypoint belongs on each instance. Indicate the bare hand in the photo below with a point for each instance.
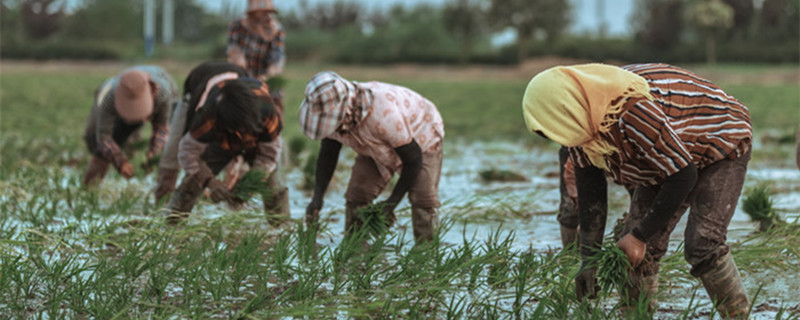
(126, 170)
(633, 248)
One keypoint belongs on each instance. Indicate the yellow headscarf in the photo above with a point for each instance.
(571, 105)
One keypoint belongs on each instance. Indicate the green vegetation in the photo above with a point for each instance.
(758, 204)
(67, 252)
(253, 182)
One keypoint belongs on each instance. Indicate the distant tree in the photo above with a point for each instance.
(324, 16)
(780, 20)
(711, 18)
(526, 17)
(107, 19)
(743, 12)
(42, 18)
(465, 20)
(658, 24)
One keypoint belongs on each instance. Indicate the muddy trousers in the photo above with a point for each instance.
(366, 183)
(215, 159)
(568, 206)
(713, 202)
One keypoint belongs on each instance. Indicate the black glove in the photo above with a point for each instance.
(387, 208)
(312, 212)
(218, 191)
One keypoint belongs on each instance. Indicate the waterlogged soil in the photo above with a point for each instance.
(477, 208)
(529, 208)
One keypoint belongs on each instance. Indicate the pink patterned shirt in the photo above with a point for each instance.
(397, 116)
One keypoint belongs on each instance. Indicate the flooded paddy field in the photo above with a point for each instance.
(499, 253)
(106, 253)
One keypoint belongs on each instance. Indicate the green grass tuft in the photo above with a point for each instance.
(501, 175)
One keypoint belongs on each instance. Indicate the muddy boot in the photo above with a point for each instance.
(724, 286)
(98, 167)
(352, 221)
(569, 236)
(638, 296)
(184, 199)
(425, 221)
(277, 207)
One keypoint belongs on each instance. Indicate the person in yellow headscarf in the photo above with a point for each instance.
(680, 139)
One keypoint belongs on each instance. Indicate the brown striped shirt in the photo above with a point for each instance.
(689, 120)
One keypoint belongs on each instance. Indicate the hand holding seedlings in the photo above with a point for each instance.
(633, 248)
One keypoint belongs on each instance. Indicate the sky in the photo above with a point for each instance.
(585, 20)
(616, 14)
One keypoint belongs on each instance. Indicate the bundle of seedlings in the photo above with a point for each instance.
(375, 223)
(612, 266)
(758, 205)
(501, 175)
(254, 182)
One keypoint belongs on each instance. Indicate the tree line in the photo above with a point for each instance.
(460, 31)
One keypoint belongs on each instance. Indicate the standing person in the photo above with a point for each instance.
(256, 43)
(122, 104)
(223, 115)
(678, 137)
(392, 129)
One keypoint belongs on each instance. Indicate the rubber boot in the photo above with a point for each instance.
(425, 222)
(98, 167)
(277, 207)
(569, 237)
(724, 286)
(639, 289)
(184, 199)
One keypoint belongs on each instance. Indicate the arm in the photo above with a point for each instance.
(673, 193)
(326, 165)
(411, 156)
(105, 141)
(277, 55)
(160, 126)
(234, 51)
(267, 156)
(592, 211)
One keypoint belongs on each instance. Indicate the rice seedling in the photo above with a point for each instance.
(758, 204)
(495, 174)
(277, 82)
(612, 266)
(374, 221)
(252, 183)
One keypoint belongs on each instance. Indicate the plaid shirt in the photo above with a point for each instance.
(264, 56)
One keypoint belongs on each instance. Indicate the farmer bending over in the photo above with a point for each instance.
(121, 106)
(678, 137)
(224, 116)
(392, 129)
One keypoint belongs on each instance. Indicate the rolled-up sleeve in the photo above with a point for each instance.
(189, 152)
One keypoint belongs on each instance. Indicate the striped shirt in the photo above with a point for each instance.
(689, 120)
(166, 95)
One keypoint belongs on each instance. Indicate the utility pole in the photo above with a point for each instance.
(602, 25)
(149, 27)
(168, 27)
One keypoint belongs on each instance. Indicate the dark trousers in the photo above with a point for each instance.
(712, 203)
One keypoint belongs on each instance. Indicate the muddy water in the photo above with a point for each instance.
(529, 210)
